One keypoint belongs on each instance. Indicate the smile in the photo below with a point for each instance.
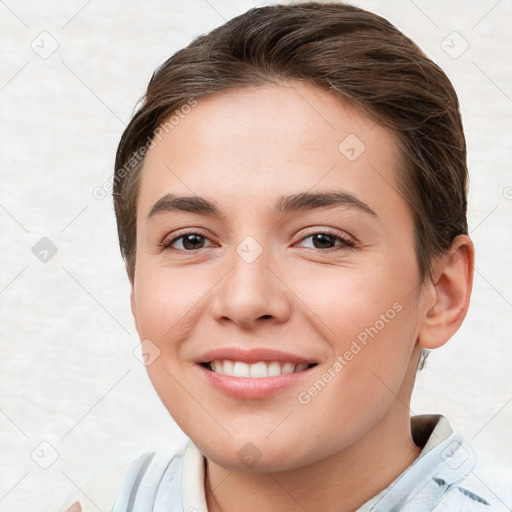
(256, 370)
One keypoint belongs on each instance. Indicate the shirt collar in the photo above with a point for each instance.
(192, 479)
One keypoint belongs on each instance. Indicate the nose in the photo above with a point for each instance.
(253, 290)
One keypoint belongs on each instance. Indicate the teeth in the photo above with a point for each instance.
(241, 369)
(256, 370)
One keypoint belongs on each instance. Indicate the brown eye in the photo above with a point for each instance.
(326, 240)
(189, 242)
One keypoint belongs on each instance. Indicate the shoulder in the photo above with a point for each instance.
(127, 483)
(100, 491)
(485, 488)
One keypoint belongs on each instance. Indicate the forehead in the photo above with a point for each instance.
(268, 140)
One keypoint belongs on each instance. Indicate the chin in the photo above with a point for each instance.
(257, 457)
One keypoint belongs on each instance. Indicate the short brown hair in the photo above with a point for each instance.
(357, 55)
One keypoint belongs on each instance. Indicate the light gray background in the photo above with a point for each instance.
(70, 379)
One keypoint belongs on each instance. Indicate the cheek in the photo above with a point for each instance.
(371, 322)
(348, 300)
(373, 350)
(371, 356)
(167, 303)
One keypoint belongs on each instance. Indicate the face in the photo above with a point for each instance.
(300, 252)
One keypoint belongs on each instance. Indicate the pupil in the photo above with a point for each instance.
(322, 236)
(188, 241)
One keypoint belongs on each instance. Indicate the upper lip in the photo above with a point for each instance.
(253, 355)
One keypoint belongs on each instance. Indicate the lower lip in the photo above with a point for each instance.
(253, 388)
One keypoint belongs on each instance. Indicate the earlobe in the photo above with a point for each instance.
(452, 285)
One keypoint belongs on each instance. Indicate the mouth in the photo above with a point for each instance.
(258, 370)
(256, 380)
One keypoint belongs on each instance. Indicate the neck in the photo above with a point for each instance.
(341, 482)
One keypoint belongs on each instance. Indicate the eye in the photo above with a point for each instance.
(189, 242)
(192, 241)
(325, 239)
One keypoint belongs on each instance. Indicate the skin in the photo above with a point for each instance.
(244, 149)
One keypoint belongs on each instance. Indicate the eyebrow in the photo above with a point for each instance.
(285, 204)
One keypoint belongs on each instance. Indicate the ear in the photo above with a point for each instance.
(133, 307)
(449, 293)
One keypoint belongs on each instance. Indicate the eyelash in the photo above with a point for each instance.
(347, 243)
